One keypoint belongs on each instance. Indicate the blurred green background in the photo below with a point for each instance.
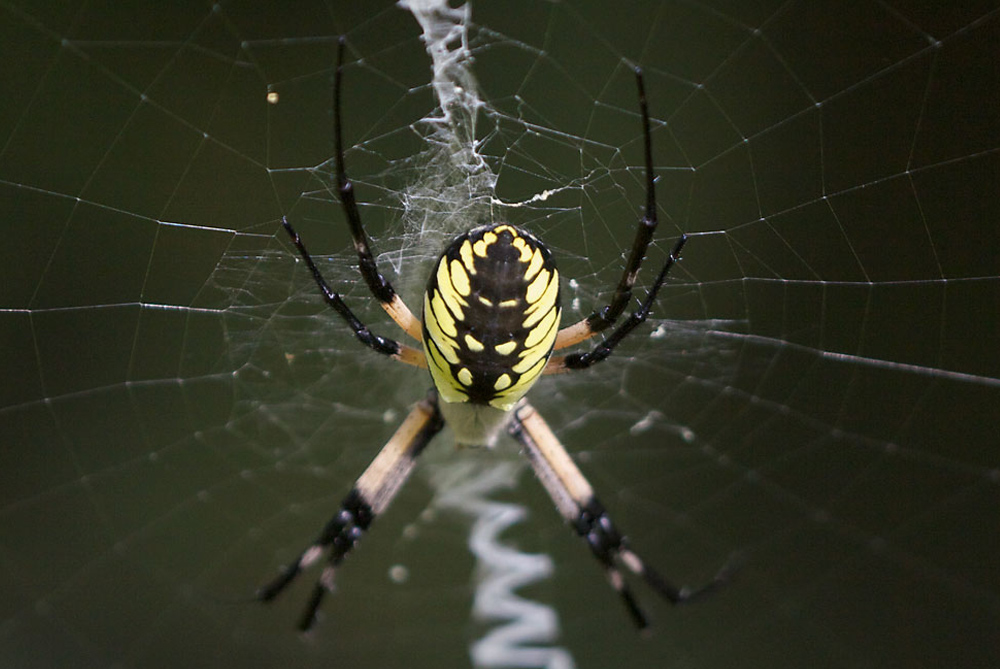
(819, 395)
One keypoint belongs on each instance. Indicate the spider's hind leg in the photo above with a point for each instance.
(370, 496)
(575, 500)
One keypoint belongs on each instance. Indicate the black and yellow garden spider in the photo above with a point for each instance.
(490, 323)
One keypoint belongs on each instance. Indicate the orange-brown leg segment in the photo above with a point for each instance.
(370, 496)
(575, 500)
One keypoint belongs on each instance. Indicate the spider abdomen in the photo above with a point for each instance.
(490, 317)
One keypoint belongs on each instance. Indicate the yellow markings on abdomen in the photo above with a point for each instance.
(542, 330)
(447, 385)
(534, 265)
(444, 319)
(473, 344)
(506, 348)
(537, 287)
(459, 278)
(546, 301)
(465, 253)
(540, 348)
(491, 313)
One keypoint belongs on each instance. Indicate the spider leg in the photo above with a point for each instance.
(606, 316)
(575, 500)
(370, 496)
(377, 283)
(583, 360)
(379, 344)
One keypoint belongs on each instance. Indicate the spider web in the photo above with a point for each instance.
(817, 391)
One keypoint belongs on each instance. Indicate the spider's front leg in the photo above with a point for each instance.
(606, 316)
(370, 496)
(575, 500)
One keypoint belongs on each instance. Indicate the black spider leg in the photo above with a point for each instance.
(606, 316)
(377, 343)
(340, 534)
(607, 543)
(370, 496)
(378, 284)
(636, 318)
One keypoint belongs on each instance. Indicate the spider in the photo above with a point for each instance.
(489, 326)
